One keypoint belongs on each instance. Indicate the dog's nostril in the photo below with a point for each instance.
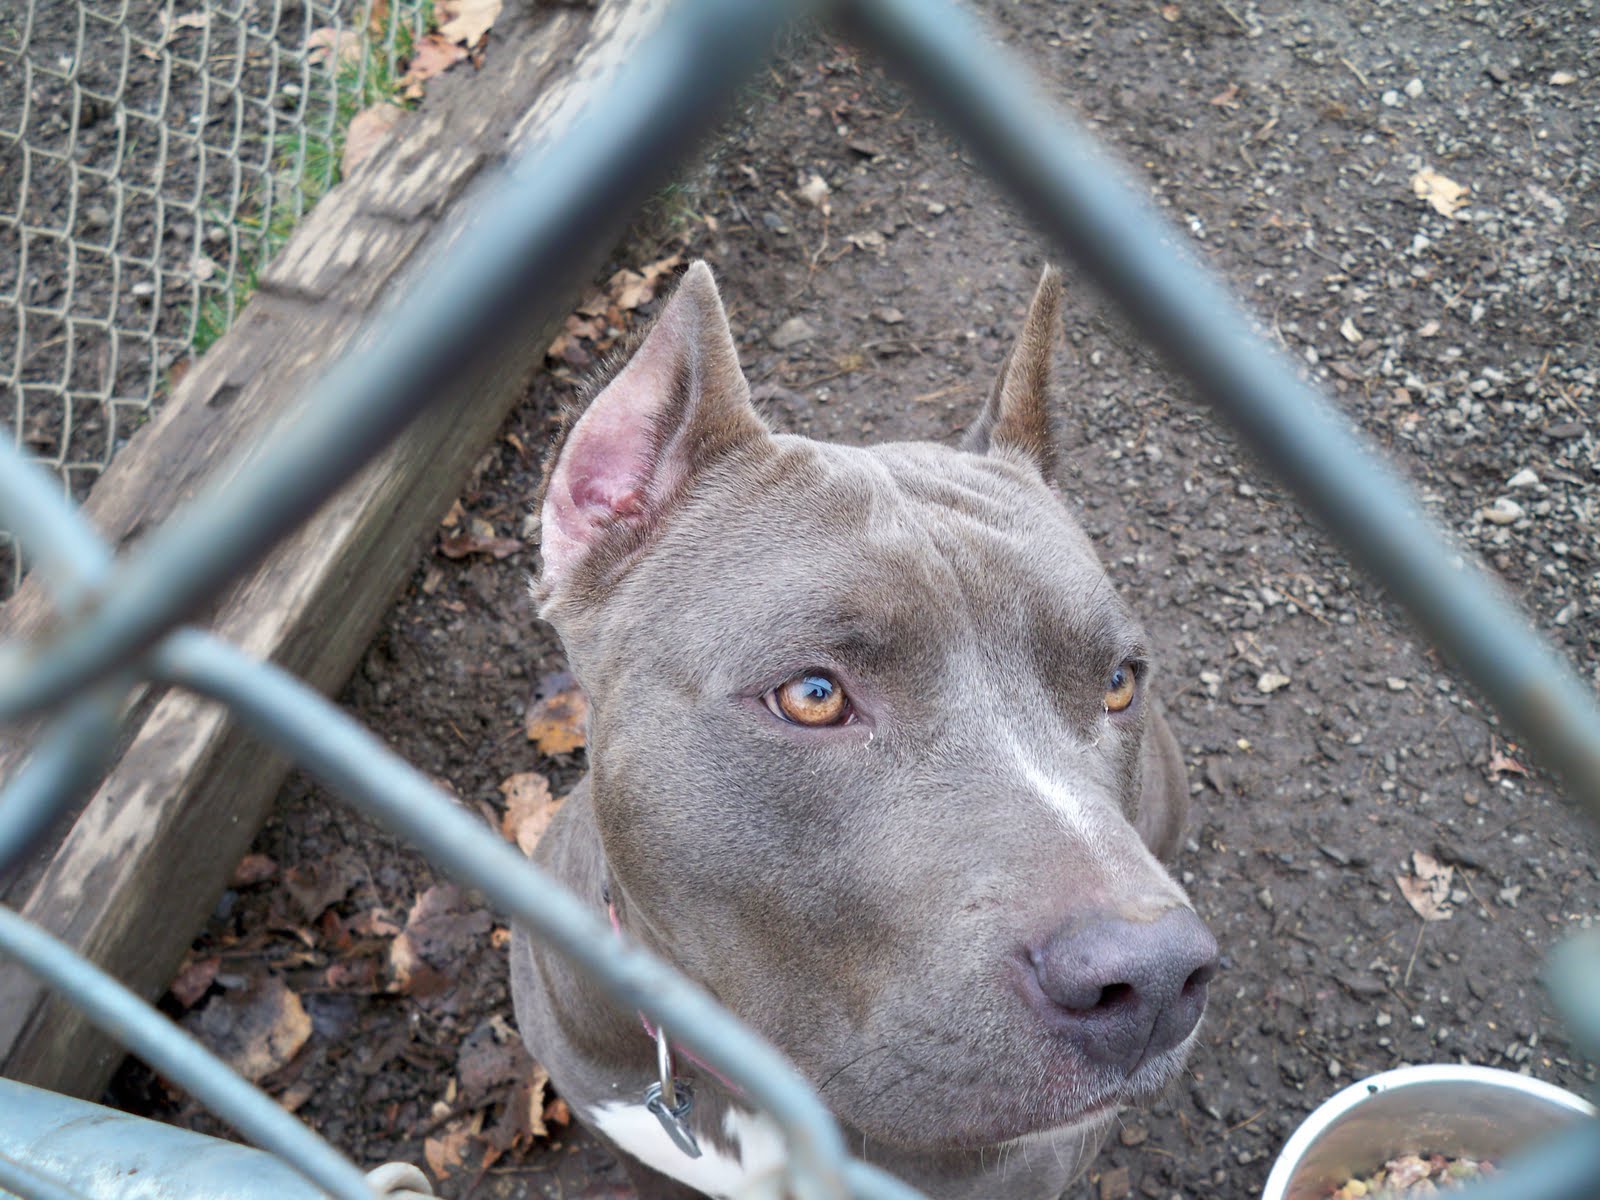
(1199, 978)
(1115, 995)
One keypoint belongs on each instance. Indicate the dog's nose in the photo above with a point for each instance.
(1123, 990)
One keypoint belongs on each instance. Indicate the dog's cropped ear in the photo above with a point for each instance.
(1017, 415)
(680, 403)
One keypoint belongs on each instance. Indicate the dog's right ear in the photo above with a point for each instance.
(1017, 415)
(680, 403)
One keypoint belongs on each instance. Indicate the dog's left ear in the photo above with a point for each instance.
(1017, 415)
(617, 473)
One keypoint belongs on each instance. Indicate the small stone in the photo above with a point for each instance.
(1391, 98)
(1133, 1135)
(1497, 73)
(1563, 79)
(815, 191)
(1211, 681)
(1395, 683)
(936, 209)
(1414, 88)
(791, 333)
(1264, 898)
(1382, 1020)
(96, 216)
(1429, 329)
(1525, 478)
(1335, 1068)
(1349, 332)
(1271, 681)
(1503, 511)
(888, 316)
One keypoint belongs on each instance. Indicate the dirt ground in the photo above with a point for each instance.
(1326, 746)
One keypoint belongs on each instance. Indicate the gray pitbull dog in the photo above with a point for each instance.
(873, 759)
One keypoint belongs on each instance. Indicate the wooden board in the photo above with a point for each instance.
(149, 853)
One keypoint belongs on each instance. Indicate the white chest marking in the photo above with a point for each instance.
(758, 1148)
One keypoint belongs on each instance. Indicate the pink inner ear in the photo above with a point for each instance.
(604, 473)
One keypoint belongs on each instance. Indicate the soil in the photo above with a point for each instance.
(1284, 137)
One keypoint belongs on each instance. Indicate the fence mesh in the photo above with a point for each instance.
(153, 158)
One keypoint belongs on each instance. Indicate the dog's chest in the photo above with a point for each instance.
(755, 1148)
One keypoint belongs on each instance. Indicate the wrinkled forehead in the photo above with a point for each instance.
(887, 549)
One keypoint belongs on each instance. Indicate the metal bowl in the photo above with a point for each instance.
(1476, 1112)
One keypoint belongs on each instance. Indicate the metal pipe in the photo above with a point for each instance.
(68, 760)
(50, 533)
(1083, 200)
(171, 1051)
(100, 1154)
(372, 778)
(511, 267)
(22, 1180)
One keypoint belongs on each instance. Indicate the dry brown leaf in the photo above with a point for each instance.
(491, 1056)
(439, 932)
(630, 289)
(478, 537)
(1427, 888)
(1501, 763)
(253, 869)
(447, 1151)
(338, 45)
(368, 130)
(466, 21)
(529, 809)
(195, 980)
(317, 886)
(1446, 196)
(557, 720)
(432, 56)
(522, 1120)
(255, 1030)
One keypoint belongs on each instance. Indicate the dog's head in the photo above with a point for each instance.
(868, 746)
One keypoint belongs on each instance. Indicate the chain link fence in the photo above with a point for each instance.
(123, 618)
(153, 158)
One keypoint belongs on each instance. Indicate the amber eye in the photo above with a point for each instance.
(814, 698)
(1120, 688)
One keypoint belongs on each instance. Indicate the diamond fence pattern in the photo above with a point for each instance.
(153, 158)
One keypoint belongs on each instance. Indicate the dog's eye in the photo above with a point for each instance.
(1120, 688)
(812, 699)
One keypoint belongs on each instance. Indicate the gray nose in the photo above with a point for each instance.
(1124, 991)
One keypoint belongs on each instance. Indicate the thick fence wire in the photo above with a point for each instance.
(153, 159)
(514, 267)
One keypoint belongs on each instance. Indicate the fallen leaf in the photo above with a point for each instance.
(1445, 195)
(353, 975)
(253, 869)
(373, 923)
(491, 1056)
(478, 537)
(630, 289)
(195, 980)
(438, 933)
(558, 717)
(1228, 97)
(1501, 763)
(447, 1151)
(466, 21)
(525, 1116)
(315, 887)
(255, 1030)
(330, 44)
(368, 130)
(529, 809)
(433, 55)
(1427, 888)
